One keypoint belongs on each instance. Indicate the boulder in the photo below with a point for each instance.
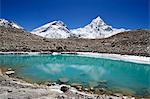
(9, 72)
(86, 89)
(48, 83)
(9, 69)
(9, 90)
(64, 88)
(63, 80)
(77, 86)
(91, 88)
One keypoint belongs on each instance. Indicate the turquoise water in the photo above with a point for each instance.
(119, 75)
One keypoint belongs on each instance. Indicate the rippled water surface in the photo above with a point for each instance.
(118, 75)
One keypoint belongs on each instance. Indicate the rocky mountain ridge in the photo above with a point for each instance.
(57, 29)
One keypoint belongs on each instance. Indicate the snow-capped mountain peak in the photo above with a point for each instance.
(55, 29)
(9, 24)
(99, 24)
(96, 29)
(98, 21)
(59, 23)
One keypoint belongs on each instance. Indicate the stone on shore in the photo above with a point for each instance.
(77, 86)
(63, 80)
(9, 72)
(9, 69)
(64, 88)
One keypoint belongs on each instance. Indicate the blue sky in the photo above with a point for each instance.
(30, 14)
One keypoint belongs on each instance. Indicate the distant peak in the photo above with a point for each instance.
(9, 24)
(98, 21)
(98, 18)
(58, 23)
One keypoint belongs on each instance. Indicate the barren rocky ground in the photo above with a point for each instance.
(14, 88)
(136, 42)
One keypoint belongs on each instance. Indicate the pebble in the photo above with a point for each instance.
(9, 90)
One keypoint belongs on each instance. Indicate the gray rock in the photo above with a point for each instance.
(9, 90)
(9, 72)
(9, 69)
(63, 80)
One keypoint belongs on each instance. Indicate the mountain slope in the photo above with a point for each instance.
(96, 29)
(9, 24)
(135, 42)
(56, 29)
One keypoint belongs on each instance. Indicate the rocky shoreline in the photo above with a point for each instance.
(15, 88)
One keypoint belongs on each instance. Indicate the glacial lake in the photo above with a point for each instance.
(89, 71)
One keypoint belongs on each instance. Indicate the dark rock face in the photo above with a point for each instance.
(135, 42)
